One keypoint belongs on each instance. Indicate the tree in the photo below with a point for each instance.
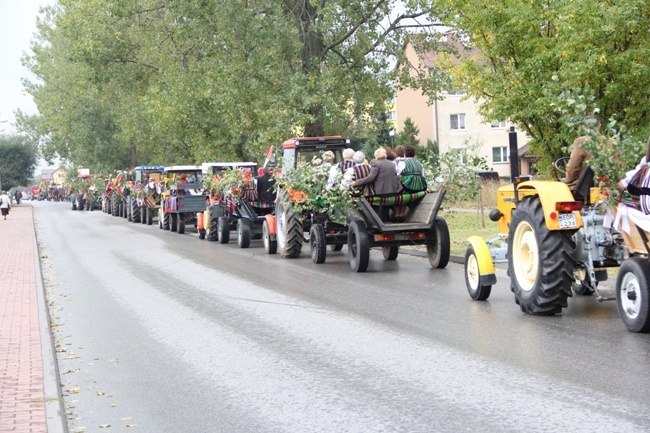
(408, 136)
(151, 81)
(532, 52)
(18, 157)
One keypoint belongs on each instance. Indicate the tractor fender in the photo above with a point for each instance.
(271, 220)
(550, 193)
(486, 267)
(199, 220)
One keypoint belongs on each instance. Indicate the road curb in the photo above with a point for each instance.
(422, 253)
(54, 406)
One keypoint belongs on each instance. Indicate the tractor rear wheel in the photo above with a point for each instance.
(289, 232)
(318, 243)
(166, 221)
(213, 231)
(438, 250)
(358, 246)
(270, 245)
(135, 212)
(243, 233)
(540, 262)
(223, 230)
(633, 294)
(476, 291)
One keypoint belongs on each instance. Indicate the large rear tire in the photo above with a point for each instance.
(289, 232)
(270, 245)
(223, 230)
(318, 243)
(439, 249)
(213, 230)
(135, 212)
(358, 246)
(540, 262)
(243, 233)
(476, 291)
(633, 294)
(166, 221)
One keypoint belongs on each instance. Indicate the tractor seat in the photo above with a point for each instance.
(583, 185)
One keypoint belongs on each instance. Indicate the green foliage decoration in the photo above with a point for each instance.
(307, 182)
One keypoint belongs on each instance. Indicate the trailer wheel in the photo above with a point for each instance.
(358, 246)
(318, 244)
(270, 245)
(633, 294)
(391, 252)
(243, 233)
(476, 291)
(289, 233)
(173, 221)
(439, 249)
(223, 230)
(74, 203)
(149, 216)
(540, 262)
(180, 223)
(337, 246)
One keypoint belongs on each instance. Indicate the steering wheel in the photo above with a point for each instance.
(559, 168)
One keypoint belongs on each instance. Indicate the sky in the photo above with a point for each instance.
(17, 28)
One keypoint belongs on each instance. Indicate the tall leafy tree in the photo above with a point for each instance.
(18, 157)
(533, 52)
(150, 80)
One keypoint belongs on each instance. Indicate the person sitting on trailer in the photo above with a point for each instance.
(637, 183)
(382, 175)
(359, 170)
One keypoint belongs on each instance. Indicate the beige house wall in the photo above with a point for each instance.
(59, 176)
(434, 123)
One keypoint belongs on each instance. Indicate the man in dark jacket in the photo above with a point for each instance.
(265, 185)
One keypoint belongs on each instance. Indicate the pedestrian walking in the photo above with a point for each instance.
(5, 204)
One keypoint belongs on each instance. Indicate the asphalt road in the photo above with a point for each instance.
(161, 332)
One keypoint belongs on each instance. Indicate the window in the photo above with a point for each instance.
(457, 122)
(392, 116)
(495, 124)
(500, 154)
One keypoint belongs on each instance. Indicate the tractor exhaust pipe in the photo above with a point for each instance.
(514, 160)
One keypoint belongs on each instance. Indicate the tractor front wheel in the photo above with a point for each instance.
(540, 262)
(633, 294)
(476, 291)
(289, 232)
(270, 245)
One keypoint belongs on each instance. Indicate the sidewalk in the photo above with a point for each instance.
(29, 392)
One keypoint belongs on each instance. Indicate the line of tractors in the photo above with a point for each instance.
(555, 241)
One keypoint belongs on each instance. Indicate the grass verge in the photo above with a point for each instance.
(464, 223)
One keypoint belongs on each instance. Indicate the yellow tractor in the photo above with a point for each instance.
(554, 241)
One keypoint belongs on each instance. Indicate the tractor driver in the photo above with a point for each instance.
(576, 164)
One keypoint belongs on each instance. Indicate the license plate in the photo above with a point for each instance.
(567, 220)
